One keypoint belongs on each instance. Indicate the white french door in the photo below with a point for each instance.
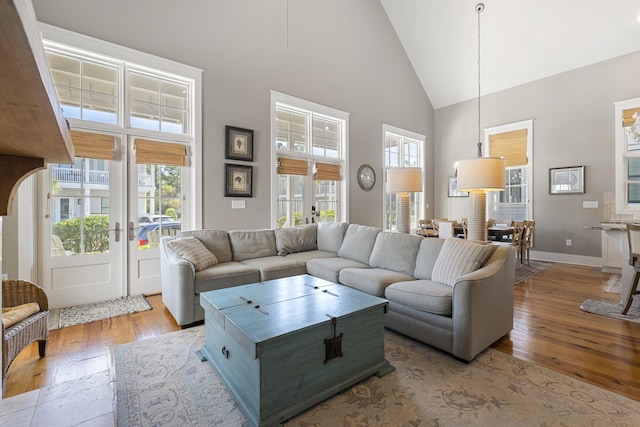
(156, 208)
(82, 238)
(101, 225)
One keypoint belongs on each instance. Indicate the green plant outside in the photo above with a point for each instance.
(96, 234)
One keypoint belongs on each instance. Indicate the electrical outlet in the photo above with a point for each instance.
(590, 204)
(237, 204)
(568, 242)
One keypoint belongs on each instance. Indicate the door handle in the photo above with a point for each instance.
(132, 231)
(117, 231)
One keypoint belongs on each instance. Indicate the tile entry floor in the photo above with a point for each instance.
(86, 402)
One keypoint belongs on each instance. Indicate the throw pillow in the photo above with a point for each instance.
(13, 315)
(192, 250)
(301, 238)
(457, 258)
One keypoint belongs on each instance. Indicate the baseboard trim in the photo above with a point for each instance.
(567, 258)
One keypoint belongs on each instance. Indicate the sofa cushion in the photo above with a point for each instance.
(426, 258)
(330, 235)
(424, 295)
(225, 275)
(371, 280)
(290, 240)
(457, 258)
(248, 244)
(395, 251)
(193, 251)
(13, 315)
(275, 267)
(358, 242)
(217, 241)
(329, 268)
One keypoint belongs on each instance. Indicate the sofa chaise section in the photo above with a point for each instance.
(464, 315)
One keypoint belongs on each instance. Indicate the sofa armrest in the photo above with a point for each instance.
(482, 304)
(177, 279)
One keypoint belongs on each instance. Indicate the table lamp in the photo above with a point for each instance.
(403, 181)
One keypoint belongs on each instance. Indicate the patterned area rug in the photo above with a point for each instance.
(70, 316)
(524, 271)
(611, 309)
(161, 381)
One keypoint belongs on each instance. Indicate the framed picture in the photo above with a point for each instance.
(239, 144)
(567, 180)
(238, 181)
(453, 188)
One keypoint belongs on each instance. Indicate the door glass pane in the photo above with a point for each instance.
(326, 201)
(159, 204)
(290, 200)
(79, 208)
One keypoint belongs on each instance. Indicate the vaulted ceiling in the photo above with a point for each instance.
(521, 41)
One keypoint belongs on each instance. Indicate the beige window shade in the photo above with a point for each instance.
(289, 166)
(510, 145)
(160, 153)
(327, 171)
(627, 116)
(92, 145)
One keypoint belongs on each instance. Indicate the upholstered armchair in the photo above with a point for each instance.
(26, 322)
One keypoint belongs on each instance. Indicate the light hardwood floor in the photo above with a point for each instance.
(549, 330)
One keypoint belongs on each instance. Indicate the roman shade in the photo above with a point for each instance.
(627, 116)
(327, 171)
(160, 153)
(510, 145)
(92, 145)
(289, 166)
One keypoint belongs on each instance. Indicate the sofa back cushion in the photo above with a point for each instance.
(427, 255)
(457, 258)
(395, 251)
(330, 235)
(358, 242)
(216, 241)
(191, 249)
(290, 240)
(249, 244)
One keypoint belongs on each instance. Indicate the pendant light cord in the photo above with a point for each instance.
(479, 8)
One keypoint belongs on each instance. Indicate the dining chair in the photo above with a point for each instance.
(517, 238)
(633, 234)
(527, 240)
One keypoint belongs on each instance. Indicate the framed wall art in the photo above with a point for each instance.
(238, 182)
(239, 144)
(566, 180)
(453, 188)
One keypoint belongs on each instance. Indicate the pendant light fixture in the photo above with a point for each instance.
(480, 175)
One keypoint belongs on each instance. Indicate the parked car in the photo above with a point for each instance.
(147, 218)
(144, 228)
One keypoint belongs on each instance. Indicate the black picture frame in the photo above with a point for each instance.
(239, 144)
(566, 180)
(238, 180)
(453, 188)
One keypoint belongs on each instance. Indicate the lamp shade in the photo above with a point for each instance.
(404, 180)
(482, 173)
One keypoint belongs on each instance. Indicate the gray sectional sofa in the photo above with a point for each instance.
(453, 294)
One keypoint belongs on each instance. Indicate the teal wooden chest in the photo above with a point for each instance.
(284, 345)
